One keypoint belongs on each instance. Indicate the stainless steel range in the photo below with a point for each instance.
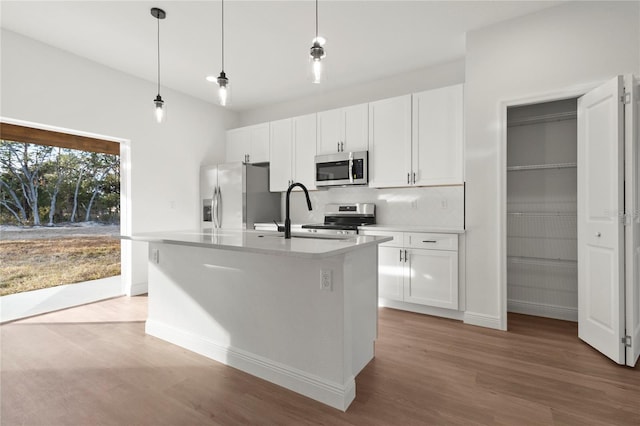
(344, 219)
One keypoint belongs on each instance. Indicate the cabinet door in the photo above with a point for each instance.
(259, 152)
(438, 136)
(238, 144)
(280, 155)
(304, 148)
(356, 128)
(390, 142)
(431, 278)
(330, 131)
(390, 273)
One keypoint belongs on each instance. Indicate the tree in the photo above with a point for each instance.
(24, 162)
(101, 165)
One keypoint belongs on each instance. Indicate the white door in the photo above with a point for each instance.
(259, 152)
(238, 144)
(632, 206)
(390, 142)
(280, 155)
(438, 136)
(330, 131)
(600, 230)
(356, 128)
(304, 141)
(431, 278)
(390, 273)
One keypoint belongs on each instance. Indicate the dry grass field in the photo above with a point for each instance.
(32, 264)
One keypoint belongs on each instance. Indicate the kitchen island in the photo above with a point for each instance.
(300, 312)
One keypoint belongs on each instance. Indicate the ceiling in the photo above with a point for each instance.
(266, 42)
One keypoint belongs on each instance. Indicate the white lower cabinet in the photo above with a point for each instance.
(420, 268)
(431, 278)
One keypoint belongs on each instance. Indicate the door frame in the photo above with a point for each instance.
(550, 96)
(65, 296)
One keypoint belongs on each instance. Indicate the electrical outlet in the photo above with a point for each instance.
(444, 203)
(155, 255)
(414, 204)
(326, 283)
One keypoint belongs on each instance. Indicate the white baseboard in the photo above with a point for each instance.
(330, 393)
(421, 309)
(36, 302)
(139, 288)
(483, 320)
(540, 310)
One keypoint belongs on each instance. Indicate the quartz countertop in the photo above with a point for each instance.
(410, 228)
(265, 242)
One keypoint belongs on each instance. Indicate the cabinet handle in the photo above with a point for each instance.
(429, 241)
(414, 177)
(400, 255)
(405, 256)
(338, 146)
(408, 178)
(342, 146)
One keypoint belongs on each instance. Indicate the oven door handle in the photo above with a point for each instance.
(351, 167)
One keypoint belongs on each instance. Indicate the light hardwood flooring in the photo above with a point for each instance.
(94, 365)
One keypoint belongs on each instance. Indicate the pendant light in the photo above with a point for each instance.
(317, 53)
(160, 109)
(222, 80)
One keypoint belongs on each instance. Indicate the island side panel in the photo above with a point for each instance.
(255, 310)
(361, 307)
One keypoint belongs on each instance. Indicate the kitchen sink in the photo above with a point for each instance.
(311, 236)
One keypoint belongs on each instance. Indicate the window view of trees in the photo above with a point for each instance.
(45, 185)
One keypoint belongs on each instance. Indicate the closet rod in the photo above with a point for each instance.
(541, 261)
(545, 118)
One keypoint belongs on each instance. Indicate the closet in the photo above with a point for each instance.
(542, 272)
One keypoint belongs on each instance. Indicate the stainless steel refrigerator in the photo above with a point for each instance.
(236, 195)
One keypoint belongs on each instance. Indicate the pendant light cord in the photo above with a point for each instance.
(222, 35)
(158, 19)
(316, 19)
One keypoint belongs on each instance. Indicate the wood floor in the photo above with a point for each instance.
(94, 365)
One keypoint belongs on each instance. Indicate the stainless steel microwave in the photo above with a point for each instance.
(342, 169)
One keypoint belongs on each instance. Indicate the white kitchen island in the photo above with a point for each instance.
(301, 313)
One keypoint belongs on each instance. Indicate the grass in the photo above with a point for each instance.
(34, 264)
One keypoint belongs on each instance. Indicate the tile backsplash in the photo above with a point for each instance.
(439, 206)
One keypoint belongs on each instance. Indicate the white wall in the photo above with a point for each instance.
(396, 85)
(45, 85)
(574, 44)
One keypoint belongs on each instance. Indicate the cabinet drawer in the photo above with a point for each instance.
(397, 237)
(431, 241)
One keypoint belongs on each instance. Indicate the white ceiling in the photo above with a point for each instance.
(266, 42)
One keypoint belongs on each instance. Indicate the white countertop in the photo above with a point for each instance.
(411, 228)
(265, 242)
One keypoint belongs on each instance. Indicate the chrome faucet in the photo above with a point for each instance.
(287, 220)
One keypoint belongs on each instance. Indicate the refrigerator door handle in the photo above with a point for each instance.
(218, 214)
(214, 207)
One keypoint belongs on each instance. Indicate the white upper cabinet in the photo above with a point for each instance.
(281, 155)
(343, 130)
(390, 142)
(293, 148)
(248, 144)
(304, 141)
(437, 148)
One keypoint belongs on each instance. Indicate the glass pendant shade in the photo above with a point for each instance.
(224, 93)
(160, 111)
(316, 56)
